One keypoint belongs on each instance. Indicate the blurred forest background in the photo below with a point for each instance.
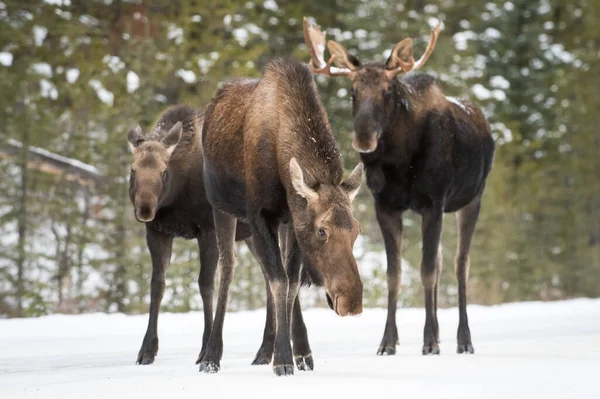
(75, 75)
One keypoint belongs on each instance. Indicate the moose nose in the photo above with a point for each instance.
(145, 213)
(347, 306)
(365, 143)
(346, 299)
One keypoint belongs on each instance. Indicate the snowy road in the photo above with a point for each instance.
(527, 350)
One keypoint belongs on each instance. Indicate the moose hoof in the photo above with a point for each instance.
(283, 369)
(431, 350)
(209, 367)
(305, 363)
(145, 358)
(260, 360)
(465, 349)
(386, 350)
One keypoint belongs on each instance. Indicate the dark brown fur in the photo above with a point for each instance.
(271, 160)
(169, 197)
(425, 153)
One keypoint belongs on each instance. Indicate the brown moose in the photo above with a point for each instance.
(422, 151)
(167, 192)
(270, 159)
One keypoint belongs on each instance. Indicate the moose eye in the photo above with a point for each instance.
(322, 234)
(163, 174)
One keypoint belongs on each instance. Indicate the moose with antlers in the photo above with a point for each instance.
(421, 151)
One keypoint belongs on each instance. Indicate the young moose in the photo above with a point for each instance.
(167, 192)
(271, 160)
(422, 151)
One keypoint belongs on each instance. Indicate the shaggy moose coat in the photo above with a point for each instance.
(272, 161)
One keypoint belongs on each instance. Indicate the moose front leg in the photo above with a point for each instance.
(264, 234)
(302, 352)
(390, 223)
(160, 247)
(431, 230)
(225, 226)
(293, 261)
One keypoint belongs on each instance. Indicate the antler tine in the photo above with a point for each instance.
(430, 46)
(315, 41)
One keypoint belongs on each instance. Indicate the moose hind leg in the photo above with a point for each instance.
(225, 226)
(438, 268)
(390, 223)
(466, 220)
(265, 352)
(209, 257)
(160, 247)
(431, 230)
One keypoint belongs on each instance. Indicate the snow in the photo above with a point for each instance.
(175, 33)
(187, 75)
(39, 34)
(133, 81)
(481, 92)
(58, 2)
(558, 50)
(499, 82)
(42, 68)
(241, 36)
(492, 34)
(48, 154)
(6, 58)
(72, 75)
(524, 350)
(104, 95)
(456, 101)
(47, 89)
(271, 5)
(461, 39)
(113, 62)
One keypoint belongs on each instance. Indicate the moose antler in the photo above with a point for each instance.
(412, 65)
(315, 41)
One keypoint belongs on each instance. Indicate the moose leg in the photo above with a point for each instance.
(466, 220)
(267, 248)
(390, 223)
(209, 257)
(302, 352)
(160, 247)
(225, 226)
(432, 230)
(438, 268)
(293, 259)
(265, 352)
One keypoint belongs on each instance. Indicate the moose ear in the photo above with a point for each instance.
(298, 182)
(402, 55)
(352, 183)
(171, 139)
(343, 59)
(135, 137)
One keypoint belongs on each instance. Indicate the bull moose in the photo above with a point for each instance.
(422, 151)
(270, 160)
(167, 192)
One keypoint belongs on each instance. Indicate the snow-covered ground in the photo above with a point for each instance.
(526, 350)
